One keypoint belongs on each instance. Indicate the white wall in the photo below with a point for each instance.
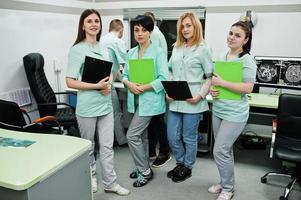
(24, 32)
(275, 34)
(50, 34)
(52, 31)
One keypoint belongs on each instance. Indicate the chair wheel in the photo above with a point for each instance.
(263, 180)
(283, 198)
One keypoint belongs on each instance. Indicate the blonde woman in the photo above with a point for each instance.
(190, 61)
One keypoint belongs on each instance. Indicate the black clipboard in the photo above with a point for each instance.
(178, 90)
(95, 70)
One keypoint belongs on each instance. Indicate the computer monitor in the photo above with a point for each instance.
(278, 72)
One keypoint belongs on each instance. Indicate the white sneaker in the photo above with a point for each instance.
(116, 188)
(94, 184)
(215, 189)
(225, 196)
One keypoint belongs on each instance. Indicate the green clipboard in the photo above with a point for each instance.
(142, 71)
(229, 71)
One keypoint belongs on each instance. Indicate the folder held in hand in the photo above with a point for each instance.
(95, 70)
(142, 71)
(229, 71)
(178, 90)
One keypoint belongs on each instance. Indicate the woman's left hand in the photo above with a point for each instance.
(194, 100)
(142, 88)
(217, 80)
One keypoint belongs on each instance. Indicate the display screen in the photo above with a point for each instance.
(282, 72)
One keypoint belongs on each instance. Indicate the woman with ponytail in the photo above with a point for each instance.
(230, 116)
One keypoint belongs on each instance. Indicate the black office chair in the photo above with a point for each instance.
(12, 118)
(286, 139)
(44, 95)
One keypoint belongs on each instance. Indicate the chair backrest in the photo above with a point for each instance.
(42, 91)
(10, 113)
(289, 116)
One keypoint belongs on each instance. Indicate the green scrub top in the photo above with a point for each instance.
(90, 103)
(117, 46)
(191, 64)
(236, 110)
(151, 102)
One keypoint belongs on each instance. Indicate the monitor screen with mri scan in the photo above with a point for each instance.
(278, 71)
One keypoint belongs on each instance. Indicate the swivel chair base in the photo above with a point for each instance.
(288, 188)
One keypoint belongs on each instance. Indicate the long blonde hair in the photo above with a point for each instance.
(198, 30)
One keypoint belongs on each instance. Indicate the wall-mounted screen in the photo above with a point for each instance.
(281, 72)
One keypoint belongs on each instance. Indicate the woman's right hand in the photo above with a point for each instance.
(168, 99)
(134, 88)
(214, 92)
(103, 83)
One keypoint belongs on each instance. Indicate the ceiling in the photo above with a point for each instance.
(102, 1)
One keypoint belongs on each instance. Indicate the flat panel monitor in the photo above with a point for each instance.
(279, 72)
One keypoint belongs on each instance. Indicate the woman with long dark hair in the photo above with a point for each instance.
(230, 116)
(94, 110)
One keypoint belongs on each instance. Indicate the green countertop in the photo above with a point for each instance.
(22, 167)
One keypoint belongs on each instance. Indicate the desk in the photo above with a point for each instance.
(259, 100)
(54, 167)
(263, 100)
(255, 99)
(263, 108)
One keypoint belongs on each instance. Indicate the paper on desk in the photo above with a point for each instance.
(12, 142)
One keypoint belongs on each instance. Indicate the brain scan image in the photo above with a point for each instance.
(267, 73)
(293, 74)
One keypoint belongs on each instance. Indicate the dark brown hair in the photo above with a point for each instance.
(81, 35)
(245, 26)
(144, 21)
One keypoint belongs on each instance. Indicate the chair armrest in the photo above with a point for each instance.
(45, 119)
(274, 125)
(49, 104)
(25, 113)
(5, 125)
(60, 93)
(274, 130)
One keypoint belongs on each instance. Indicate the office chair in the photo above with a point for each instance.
(12, 118)
(44, 95)
(286, 139)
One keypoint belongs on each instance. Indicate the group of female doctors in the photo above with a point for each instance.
(190, 61)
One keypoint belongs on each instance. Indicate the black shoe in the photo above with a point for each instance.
(161, 160)
(182, 175)
(123, 145)
(134, 174)
(143, 179)
(174, 171)
(152, 156)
